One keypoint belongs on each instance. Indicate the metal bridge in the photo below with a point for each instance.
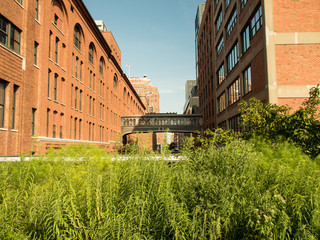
(161, 122)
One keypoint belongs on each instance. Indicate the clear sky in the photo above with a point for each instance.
(156, 37)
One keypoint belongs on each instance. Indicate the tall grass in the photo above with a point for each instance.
(245, 190)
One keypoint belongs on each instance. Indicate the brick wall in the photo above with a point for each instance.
(296, 16)
(298, 64)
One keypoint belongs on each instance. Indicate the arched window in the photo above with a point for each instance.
(91, 53)
(124, 93)
(101, 65)
(77, 37)
(115, 81)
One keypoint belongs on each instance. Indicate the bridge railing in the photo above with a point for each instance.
(156, 121)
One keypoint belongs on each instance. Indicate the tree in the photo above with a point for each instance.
(272, 121)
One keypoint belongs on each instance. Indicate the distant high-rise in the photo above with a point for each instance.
(148, 93)
(255, 48)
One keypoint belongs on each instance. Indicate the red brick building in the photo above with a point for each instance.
(267, 49)
(61, 80)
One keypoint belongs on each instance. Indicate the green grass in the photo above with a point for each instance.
(245, 190)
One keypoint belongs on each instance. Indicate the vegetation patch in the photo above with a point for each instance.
(247, 189)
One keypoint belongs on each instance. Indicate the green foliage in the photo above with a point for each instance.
(271, 121)
(244, 190)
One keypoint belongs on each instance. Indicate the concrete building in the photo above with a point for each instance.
(267, 49)
(191, 105)
(61, 80)
(149, 94)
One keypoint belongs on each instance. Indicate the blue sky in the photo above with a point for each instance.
(157, 39)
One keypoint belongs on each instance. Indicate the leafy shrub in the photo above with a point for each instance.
(302, 127)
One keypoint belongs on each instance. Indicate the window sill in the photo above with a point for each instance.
(14, 130)
(91, 64)
(10, 50)
(55, 101)
(38, 22)
(57, 28)
(77, 49)
(36, 66)
(63, 69)
(49, 99)
(19, 4)
(57, 64)
(62, 104)
(4, 129)
(50, 59)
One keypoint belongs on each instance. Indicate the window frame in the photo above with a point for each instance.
(233, 95)
(233, 57)
(3, 86)
(77, 37)
(246, 82)
(11, 35)
(91, 54)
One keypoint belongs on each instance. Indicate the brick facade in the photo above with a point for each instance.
(67, 78)
(274, 42)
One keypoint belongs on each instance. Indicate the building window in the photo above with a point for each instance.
(81, 63)
(221, 103)
(75, 97)
(220, 46)
(37, 9)
(47, 124)
(227, 3)
(56, 19)
(245, 39)
(222, 125)
(76, 70)
(220, 75)
(90, 102)
(80, 125)
(54, 130)
(247, 81)
(75, 128)
(243, 3)
(93, 82)
(101, 63)
(33, 121)
(55, 89)
(77, 37)
(91, 53)
(219, 21)
(3, 86)
(232, 22)
(71, 95)
(48, 93)
(234, 124)
(90, 79)
(9, 32)
(56, 52)
(35, 54)
(14, 101)
(115, 81)
(234, 92)
(93, 103)
(61, 132)
(50, 36)
(233, 57)
(80, 101)
(256, 22)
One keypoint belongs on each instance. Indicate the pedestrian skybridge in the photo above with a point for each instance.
(161, 122)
